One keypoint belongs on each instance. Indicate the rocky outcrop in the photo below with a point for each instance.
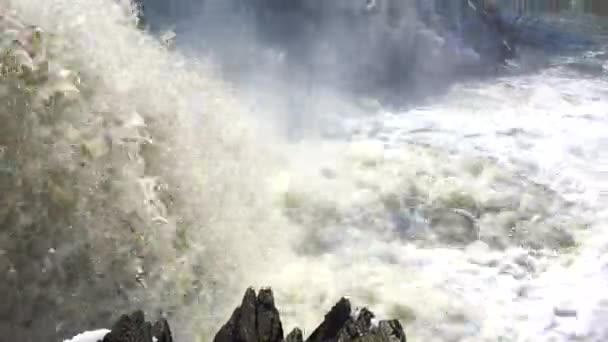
(257, 320)
(134, 328)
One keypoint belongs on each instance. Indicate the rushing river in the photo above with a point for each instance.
(171, 179)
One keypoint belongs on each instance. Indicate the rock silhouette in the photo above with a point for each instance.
(134, 328)
(257, 320)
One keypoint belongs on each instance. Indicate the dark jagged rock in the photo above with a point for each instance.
(246, 328)
(161, 331)
(268, 322)
(391, 331)
(257, 320)
(130, 328)
(134, 328)
(295, 336)
(228, 331)
(355, 328)
(334, 321)
(340, 326)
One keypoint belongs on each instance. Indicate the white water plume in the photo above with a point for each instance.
(133, 176)
(127, 169)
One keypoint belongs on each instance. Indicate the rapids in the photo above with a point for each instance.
(136, 175)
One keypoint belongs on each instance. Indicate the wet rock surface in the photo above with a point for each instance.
(134, 328)
(257, 320)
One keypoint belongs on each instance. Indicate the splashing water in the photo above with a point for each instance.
(134, 176)
(127, 170)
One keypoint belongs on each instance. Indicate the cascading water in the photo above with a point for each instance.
(132, 175)
(114, 155)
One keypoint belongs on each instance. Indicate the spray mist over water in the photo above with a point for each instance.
(144, 169)
(314, 62)
(148, 181)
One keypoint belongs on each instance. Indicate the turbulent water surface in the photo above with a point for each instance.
(137, 175)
